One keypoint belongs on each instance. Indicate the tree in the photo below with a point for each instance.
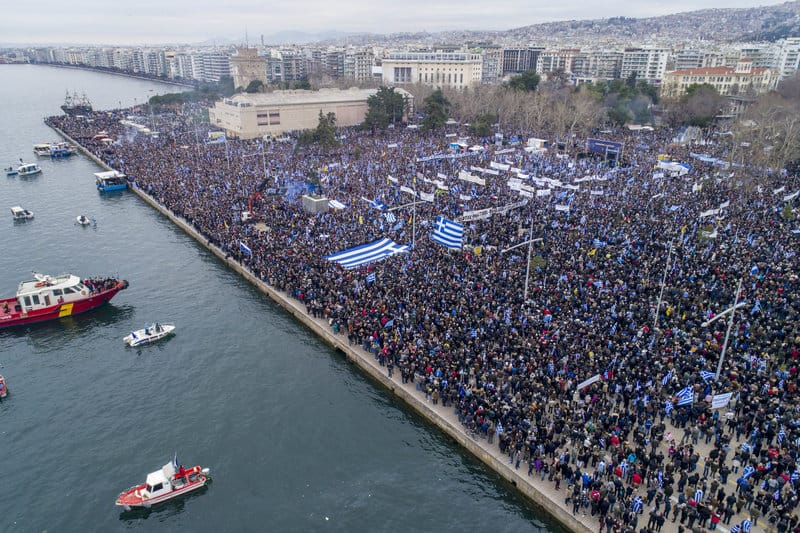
(702, 103)
(482, 125)
(255, 86)
(527, 81)
(324, 135)
(437, 109)
(383, 108)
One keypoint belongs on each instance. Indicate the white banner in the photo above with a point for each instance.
(499, 166)
(720, 400)
(709, 213)
(409, 190)
(596, 193)
(480, 214)
(465, 197)
(562, 208)
(441, 176)
(514, 184)
(485, 171)
(393, 180)
(428, 197)
(543, 192)
(466, 176)
(584, 384)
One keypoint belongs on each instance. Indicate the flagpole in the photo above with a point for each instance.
(414, 214)
(732, 311)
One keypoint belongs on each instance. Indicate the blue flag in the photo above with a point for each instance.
(448, 233)
(685, 396)
(245, 250)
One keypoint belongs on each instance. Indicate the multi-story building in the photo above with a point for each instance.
(439, 69)
(788, 58)
(181, 66)
(248, 66)
(646, 63)
(248, 116)
(155, 62)
(358, 63)
(557, 60)
(492, 64)
(742, 80)
(519, 60)
(211, 65)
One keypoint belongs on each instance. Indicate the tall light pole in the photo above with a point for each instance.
(729, 311)
(529, 242)
(661, 293)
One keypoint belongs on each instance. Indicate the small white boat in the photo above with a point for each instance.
(148, 334)
(83, 220)
(18, 213)
(28, 169)
(42, 149)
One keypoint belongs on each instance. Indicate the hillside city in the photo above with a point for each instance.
(671, 53)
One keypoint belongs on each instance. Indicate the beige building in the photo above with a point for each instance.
(248, 116)
(439, 69)
(742, 79)
(248, 66)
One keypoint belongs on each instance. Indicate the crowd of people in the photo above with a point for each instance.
(634, 268)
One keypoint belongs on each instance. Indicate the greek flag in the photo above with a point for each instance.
(448, 233)
(746, 524)
(371, 277)
(666, 378)
(685, 396)
(795, 475)
(668, 407)
(367, 253)
(781, 435)
(377, 204)
(706, 375)
(637, 504)
(698, 495)
(390, 218)
(245, 250)
(736, 529)
(747, 471)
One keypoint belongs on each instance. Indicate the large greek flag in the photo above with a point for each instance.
(685, 396)
(367, 253)
(448, 233)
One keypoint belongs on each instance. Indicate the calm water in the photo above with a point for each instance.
(296, 438)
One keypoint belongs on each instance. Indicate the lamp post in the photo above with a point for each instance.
(661, 293)
(529, 242)
(729, 311)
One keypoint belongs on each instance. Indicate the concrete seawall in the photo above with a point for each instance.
(542, 494)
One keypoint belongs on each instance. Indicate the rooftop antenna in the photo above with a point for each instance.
(246, 40)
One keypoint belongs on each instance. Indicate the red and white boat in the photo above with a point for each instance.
(164, 484)
(53, 297)
(3, 387)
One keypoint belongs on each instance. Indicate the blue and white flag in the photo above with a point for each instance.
(367, 253)
(706, 375)
(736, 528)
(637, 504)
(389, 323)
(781, 435)
(666, 378)
(448, 233)
(376, 204)
(668, 407)
(245, 250)
(390, 217)
(698, 495)
(746, 525)
(747, 471)
(685, 396)
(371, 277)
(175, 461)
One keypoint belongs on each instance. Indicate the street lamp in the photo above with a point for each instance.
(729, 311)
(661, 294)
(529, 242)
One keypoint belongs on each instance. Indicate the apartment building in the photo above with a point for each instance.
(645, 63)
(742, 79)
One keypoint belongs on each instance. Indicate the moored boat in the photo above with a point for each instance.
(111, 180)
(170, 481)
(18, 213)
(53, 297)
(3, 387)
(61, 150)
(83, 220)
(42, 149)
(148, 334)
(11, 171)
(28, 169)
(75, 104)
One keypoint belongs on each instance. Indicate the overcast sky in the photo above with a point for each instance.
(184, 21)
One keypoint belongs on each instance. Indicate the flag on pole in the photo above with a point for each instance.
(448, 233)
(371, 277)
(666, 378)
(245, 250)
(706, 375)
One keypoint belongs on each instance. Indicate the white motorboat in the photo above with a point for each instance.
(42, 149)
(28, 169)
(18, 213)
(148, 334)
(83, 220)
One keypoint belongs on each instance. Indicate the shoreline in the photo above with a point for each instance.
(542, 495)
(115, 73)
